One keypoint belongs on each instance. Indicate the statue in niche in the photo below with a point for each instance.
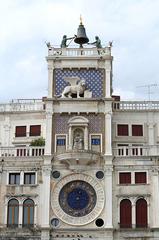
(78, 141)
(76, 89)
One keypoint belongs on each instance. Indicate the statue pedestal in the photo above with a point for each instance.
(87, 94)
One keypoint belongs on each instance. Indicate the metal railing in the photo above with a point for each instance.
(21, 151)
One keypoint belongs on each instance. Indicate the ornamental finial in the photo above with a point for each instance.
(81, 20)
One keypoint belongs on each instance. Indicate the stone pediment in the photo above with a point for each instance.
(78, 120)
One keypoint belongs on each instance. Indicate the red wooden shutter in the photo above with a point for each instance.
(35, 130)
(137, 130)
(141, 213)
(125, 214)
(20, 131)
(140, 177)
(122, 129)
(125, 178)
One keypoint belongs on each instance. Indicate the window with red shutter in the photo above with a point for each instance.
(20, 131)
(140, 177)
(122, 130)
(125, 214)
(125, 178)
(141, 213)
(35, 130)
(137, 130)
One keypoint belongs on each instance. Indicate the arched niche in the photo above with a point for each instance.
(78, 133)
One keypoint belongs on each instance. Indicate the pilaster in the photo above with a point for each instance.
(86, 138)
(7, 131)
(49, 114)
(151, 138)
(108, 197)
(50, 80)
(70, 138)
(155, 198)
(45, 197)
(108, 134)
(108, 84)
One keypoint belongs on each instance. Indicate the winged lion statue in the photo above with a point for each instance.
(77, 86)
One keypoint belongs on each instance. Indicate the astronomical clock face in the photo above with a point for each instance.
(77, 199)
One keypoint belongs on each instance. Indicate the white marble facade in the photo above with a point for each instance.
(92, 141)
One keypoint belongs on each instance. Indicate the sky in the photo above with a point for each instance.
(132, 25)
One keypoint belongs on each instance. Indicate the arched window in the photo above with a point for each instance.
(125, 214)
(28, 212)
(141, 213)
(13, 213)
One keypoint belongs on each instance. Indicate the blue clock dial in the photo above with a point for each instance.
(77, 198)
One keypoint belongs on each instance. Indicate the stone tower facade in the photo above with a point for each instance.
(79, 164)
(79, 132)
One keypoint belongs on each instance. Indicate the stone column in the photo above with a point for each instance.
(86, 138)
(50, 80)
(108, 134)
(5, 213)
(133, 213)
(155, 198)
(45, 197)
(20, 220)
(48, 141)
(35, 214)
(108, 197)
(70, 138)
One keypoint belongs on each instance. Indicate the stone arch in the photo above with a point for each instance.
(78, 133)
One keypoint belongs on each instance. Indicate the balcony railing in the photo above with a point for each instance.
(123, 151)
(136, 105)
(77, 52)
(21, 151)
(136, 151)
(22, 105)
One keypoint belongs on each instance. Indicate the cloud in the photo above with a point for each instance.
(26, 25)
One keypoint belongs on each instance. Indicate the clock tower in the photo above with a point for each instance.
(78, 136)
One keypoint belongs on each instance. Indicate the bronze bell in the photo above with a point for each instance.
(81, 37)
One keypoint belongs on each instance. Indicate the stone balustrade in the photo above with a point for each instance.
(136, 105)
(136, 151)
(123, 151)
(76, 52)
(20, 105)
(21, 151)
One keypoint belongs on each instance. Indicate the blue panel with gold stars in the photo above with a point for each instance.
(94, 80)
